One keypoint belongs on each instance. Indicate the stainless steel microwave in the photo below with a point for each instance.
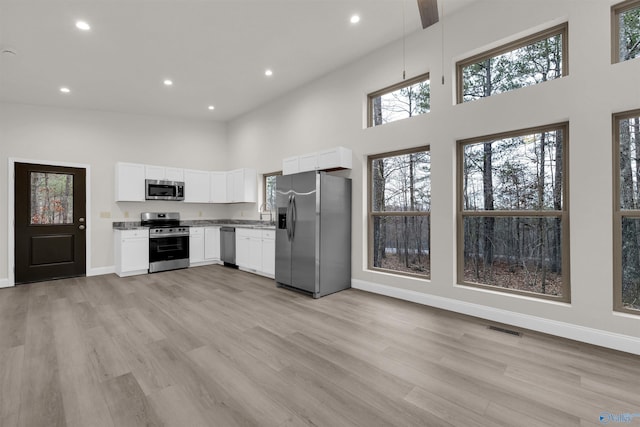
(163, 190)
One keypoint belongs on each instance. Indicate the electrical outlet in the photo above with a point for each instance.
(126, 214)
(200, 213)
(105, 214)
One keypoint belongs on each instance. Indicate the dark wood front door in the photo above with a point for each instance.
(50, 222)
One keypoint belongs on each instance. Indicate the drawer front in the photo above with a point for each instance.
(196, 231)
(133, 234)
(268, 234)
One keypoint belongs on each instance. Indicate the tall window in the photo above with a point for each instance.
(269, 190)
(625, 25)
(627, 212)
(512, 212)
(400, 101)
(399, 208)
(525, 62)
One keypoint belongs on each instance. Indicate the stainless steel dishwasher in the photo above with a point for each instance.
(228, 246)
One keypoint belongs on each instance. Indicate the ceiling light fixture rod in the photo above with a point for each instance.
(442, 37)
(404, 36)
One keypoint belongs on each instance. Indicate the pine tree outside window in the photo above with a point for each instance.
(400, 101)
(529, 61)
(625, 27)
(513, 216)
(399, 212)
(626, 249)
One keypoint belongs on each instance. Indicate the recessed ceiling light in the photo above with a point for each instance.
(65, 90)
(82, 25)
(168, 82)
(355, 19)
(268, 73)
(211, 107)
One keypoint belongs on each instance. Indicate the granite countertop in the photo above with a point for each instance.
(135, 225)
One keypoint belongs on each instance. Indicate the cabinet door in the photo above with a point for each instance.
(154, 172)
(290, 165)
(308, 162)
(249, 186)
(132, 252)
(242, 249)
(129, 182)
(196, 186)
(196, 244)
(234, 186)
(174, 174)
(255, 253)
(268, 253)
(335, 158)
(212, 243)
(218, 187)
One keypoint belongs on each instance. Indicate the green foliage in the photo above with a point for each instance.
(629, 40)
(521, 67)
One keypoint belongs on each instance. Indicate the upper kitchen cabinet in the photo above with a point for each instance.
(164, 173)
(129, 182)
(218, 187)
(196, 186)
(332, 159)
(242, 186)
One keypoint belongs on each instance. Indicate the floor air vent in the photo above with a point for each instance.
(505, 331)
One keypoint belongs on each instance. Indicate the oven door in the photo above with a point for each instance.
(168, 253)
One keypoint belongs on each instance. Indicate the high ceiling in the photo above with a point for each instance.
(215, 51)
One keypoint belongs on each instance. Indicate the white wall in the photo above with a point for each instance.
(100, 139)
(330, 112)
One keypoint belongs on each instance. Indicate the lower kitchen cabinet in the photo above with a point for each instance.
(212, 243)
(255, 251)
(204, 245)
(131, 252)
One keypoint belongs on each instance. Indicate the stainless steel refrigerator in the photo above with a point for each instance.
(313, 233)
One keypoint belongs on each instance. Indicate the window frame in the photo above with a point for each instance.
(563, 214)
(619, 214)
(371, 213)
(389, 89)
(264, 187)
(562, 29)
(617, 9)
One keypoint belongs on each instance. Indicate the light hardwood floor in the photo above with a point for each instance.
(212, 346)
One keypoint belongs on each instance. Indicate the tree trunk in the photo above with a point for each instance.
(489, 222)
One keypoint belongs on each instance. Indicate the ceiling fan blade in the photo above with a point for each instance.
(428, 12)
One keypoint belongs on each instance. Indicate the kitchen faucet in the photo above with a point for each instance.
(263, 209)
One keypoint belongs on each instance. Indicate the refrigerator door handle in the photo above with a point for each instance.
(294, 216)
(289, 212)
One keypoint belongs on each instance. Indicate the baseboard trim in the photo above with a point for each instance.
(598, 337)
(4, 283)
(99, 271)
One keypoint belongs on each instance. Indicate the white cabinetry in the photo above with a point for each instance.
(269, 252)
(196, 186)
(212, 243)
(243, 236)
(196, 245)
(204, 245)
(255, 250)
(242, 186)
(218, 187)
(129, 182)
(308, 162)
(131, 252)
(334, 158)
(164, 173)
(290, 165)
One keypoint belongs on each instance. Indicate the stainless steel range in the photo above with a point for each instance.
(168, 241)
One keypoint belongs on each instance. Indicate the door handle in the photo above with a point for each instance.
(82, 227)
(294, 216)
